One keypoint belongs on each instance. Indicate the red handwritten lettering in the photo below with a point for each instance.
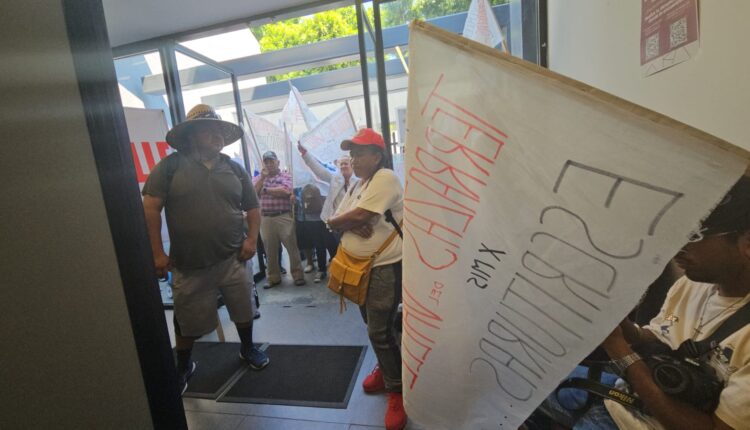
(417, 344)
(450, 172)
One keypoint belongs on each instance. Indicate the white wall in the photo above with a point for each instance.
(68, 358)
(597, 42)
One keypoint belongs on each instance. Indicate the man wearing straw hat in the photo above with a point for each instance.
(208, 198)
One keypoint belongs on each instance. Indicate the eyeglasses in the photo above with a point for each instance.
(701, 234)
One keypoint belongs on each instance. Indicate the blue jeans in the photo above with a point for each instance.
(567, 400)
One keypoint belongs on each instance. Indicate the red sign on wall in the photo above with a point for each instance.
(146, 155)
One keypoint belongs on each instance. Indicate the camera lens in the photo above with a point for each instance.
(670, 378)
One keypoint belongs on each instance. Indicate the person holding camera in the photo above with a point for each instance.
(689, 368)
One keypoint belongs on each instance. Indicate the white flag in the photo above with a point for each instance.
(537, 211)
(297, 115)
(481, 24)
(324, 141)
(267, 137)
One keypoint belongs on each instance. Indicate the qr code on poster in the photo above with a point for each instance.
(678, 33)
(652, 46)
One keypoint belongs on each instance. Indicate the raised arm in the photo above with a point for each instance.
(317, 168)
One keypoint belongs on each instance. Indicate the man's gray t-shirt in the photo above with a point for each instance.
(203, 208)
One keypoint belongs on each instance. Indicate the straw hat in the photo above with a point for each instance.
(177, 136)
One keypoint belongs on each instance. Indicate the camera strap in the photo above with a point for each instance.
(601, 390)
(736, 321)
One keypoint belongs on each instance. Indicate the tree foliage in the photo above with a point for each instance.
(305, 30)
(343, 22)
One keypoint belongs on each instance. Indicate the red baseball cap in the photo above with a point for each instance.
(365, 136)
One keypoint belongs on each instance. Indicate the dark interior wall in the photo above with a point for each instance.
(68, 358)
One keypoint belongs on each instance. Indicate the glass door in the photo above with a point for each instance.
(204, 81)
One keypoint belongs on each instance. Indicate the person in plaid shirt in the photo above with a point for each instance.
(274, 188)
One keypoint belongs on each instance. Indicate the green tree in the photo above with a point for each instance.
(310, 29)
(343, 22)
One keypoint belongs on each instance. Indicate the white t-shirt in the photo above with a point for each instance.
(680, 315)
(382, 192)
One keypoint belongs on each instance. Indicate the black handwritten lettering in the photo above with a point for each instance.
(541, 337)
(617, 183)
(611, 277)
(476, 282)
(502, 332)
(636, 253)
(492, 252)
(481, 270)
(512, 298)
(522, 388)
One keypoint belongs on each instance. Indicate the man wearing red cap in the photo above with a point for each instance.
(368, 215)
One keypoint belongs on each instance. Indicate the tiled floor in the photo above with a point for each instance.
(296, 315)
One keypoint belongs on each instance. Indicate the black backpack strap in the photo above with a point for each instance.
(236, 167)
(171, 163)
(736, 321)
(389, 217)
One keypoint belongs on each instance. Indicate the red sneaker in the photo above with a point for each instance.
(374, 382)
(395, 416)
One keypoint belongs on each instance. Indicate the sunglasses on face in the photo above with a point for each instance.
(703, 233)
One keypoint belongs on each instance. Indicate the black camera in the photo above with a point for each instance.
(688, 379)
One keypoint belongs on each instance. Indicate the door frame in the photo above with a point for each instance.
(110, 143)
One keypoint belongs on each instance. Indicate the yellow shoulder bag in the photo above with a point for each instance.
(350, 275)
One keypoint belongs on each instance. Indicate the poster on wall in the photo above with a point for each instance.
(669, 33)
(525, 241)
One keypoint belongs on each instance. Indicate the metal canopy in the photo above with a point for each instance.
(271, 97)
(332, 51)
(135, 21)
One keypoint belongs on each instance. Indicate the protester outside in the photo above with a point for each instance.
(361, 217)
(338, 184)
(311, 230)
(274, 188)
(204, 194)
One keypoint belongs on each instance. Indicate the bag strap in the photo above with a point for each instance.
(390, 219)
(387, 241)
(602, 390)
(736, 321)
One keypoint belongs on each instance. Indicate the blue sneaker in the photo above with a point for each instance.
(255, 358)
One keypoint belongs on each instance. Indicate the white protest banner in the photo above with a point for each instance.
(266, 137)
(147, 129)
(537, 211)
(398, 166)
(324, 141)
(296, 115)
(481, 25)
(298, 119)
